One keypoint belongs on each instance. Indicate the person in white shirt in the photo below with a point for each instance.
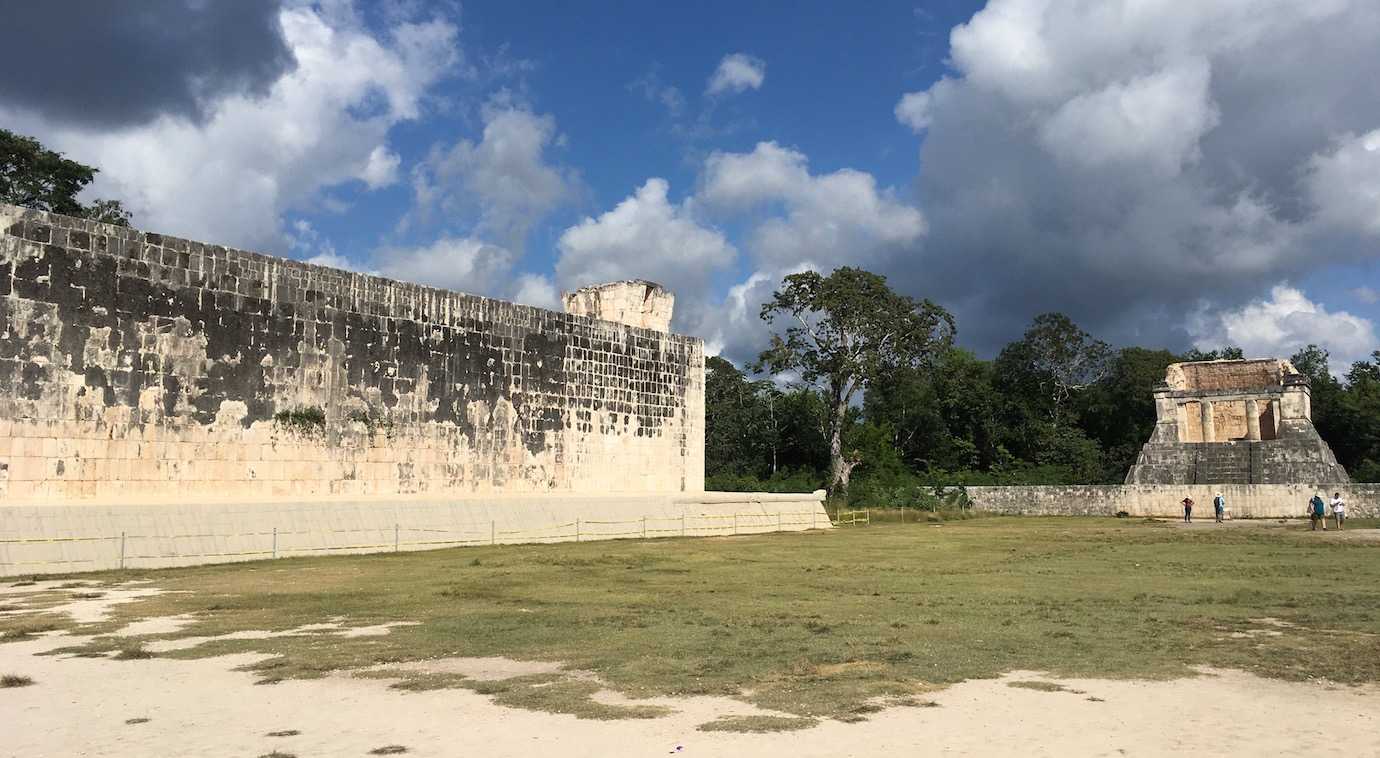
(1338, 509)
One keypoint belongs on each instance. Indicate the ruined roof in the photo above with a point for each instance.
(1231, 375)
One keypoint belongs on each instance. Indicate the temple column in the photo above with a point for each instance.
(1252, 421)
(1209, 426)
(1274, 415)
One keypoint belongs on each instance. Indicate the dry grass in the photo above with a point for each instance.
(133, 653)
(758, 724)
(1039, 686)
(14, 680)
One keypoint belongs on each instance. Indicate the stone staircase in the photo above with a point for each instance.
(1223, 463)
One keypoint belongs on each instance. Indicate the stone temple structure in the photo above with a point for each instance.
(1235, 422)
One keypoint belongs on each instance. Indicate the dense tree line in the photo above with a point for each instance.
(1056, 406)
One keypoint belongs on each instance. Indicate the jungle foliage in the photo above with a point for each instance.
(1057, 406)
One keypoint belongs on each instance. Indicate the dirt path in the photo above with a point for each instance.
(105, 707)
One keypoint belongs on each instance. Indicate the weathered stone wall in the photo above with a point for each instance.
(138, 365)
(1243, 500)
(636, 302)
(1226, 375)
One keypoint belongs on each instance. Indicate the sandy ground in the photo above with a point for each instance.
(81, 707)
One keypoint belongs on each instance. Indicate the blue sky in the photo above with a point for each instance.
(1169, 174)
(834, 75)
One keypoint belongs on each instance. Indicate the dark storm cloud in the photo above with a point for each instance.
(107, 63)
(1126, 164)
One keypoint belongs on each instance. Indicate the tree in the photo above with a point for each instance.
(1119, 411)
(737, 421)
(943, 419)
(1225, 353)
(848, 330)
(36, 177)
(1058, 358)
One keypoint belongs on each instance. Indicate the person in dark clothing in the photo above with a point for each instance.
(1188, 510)
(1219, 507)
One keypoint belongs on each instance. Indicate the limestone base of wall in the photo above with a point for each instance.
(1243, 500)
(90, 536)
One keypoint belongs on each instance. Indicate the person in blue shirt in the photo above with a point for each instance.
(1317, 511)
(1219, 507)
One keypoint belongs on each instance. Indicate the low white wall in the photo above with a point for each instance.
(92, 536)
(1243, 500)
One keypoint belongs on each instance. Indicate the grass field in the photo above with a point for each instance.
(818, 624)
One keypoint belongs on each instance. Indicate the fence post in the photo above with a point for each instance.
(735, 524)
(577, 528)
(122, 549)
(644, 527)
(395, 536)
(275, 542)
(493, 533)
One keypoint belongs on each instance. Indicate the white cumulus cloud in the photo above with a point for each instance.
(646, 236)
(837, 218)
(737, 72)
(463, 264)
(504, 181)
(1282, 324)
(913, 110)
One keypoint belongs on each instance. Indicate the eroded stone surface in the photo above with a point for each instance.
(133, 362)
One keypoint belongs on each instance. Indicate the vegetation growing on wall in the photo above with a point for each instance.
(306, 421)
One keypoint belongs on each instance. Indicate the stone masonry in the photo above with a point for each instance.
(1235, 422)
(137, 365)
(636, 301)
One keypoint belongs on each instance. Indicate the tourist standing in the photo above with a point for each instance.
(1219, 507)
(1316, 510)
(1188, 510)
(1338, 509)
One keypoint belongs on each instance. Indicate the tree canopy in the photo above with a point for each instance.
(35, 177)
(845, 331)
(853, 407)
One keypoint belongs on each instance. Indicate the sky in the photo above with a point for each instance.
(1169, 174)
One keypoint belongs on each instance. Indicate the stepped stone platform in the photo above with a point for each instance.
(1235, 422)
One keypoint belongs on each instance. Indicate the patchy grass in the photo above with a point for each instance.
(14, 680)
(428, 682)
(757, 724)
(811, 624)
(277, 754)
(1039, 686)
(388, 750)
(284, 733)
(137, 721)
(20, 628)
(133, 653)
